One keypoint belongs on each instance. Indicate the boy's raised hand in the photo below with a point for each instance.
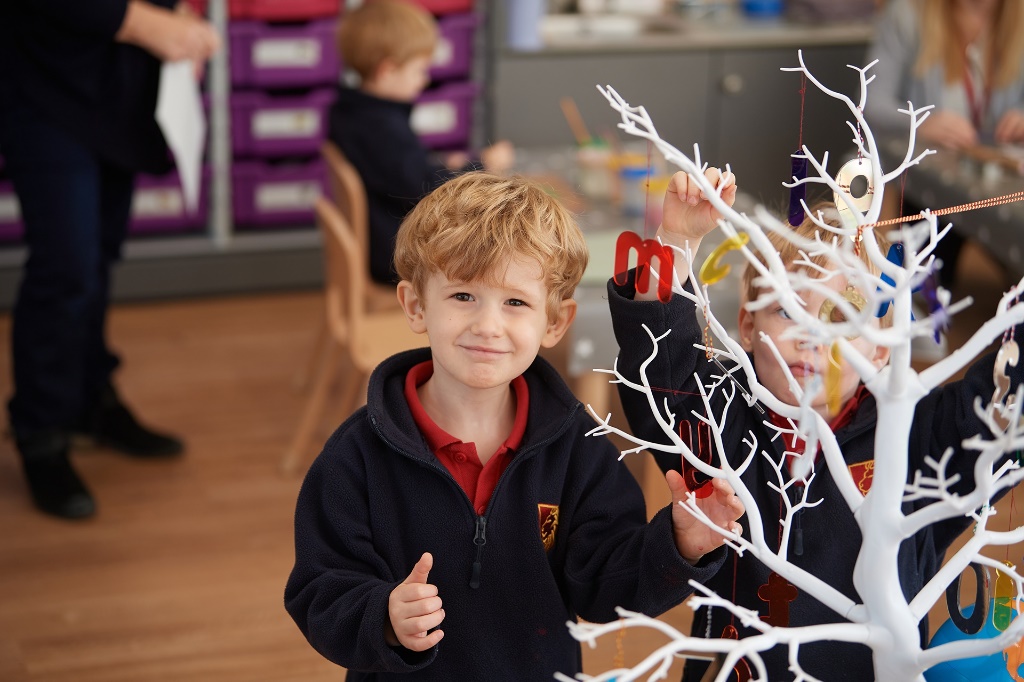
(687, 214)
(414, 608)
(723, 507)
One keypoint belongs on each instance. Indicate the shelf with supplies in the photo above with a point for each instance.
(267, 92)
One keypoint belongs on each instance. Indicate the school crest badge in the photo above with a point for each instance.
(863, 473)
(547, 517)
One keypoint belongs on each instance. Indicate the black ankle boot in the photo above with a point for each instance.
(110, 423)
(56, 488)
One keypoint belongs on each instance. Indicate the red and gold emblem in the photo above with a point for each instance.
(863, 473)
(547, 516)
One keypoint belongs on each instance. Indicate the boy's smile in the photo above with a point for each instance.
(805, 360)
(483, 335)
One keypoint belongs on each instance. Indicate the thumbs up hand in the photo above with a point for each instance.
(414, 609)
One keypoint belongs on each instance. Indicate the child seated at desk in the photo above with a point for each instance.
(829, 536)
(466, 494)
(389, 45)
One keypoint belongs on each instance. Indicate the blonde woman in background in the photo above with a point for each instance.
(965, 58)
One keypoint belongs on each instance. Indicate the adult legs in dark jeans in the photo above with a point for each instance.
(75, 208)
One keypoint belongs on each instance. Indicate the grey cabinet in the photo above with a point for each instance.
(735, 103)
(755, 124)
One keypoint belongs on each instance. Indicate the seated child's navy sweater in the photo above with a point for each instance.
(564, 535)
(397, 170)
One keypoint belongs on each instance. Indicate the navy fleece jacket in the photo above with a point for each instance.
(377, 498)
(830, 535)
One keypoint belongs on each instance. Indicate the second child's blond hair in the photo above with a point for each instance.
(470, 227)
(790, 252)
(385, 30)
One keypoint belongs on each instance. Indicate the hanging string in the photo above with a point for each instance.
(982, 203)
(647, 193)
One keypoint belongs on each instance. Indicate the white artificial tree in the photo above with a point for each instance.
(884, 620)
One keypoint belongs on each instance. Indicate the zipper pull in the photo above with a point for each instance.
(479, 539)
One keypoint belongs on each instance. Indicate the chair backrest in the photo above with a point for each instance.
(344, 270)
(348, 192)
(370, 335)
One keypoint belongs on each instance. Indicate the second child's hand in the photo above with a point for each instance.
(687, 216)
(693, 538)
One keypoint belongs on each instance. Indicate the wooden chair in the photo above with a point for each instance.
(362, 336)
(349, 194)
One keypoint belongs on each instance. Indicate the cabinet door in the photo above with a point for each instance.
(528, 89)
(757, 124)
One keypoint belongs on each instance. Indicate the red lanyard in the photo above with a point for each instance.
(977, 107)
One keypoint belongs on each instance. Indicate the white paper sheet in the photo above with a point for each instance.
(179, 111)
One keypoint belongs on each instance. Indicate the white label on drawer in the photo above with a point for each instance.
(10, 209)
(443, 53)
(157, 202)
(277, 53)
(285, 123)
(434, 117)
(286, 196)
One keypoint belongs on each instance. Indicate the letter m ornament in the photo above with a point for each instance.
(646, 250)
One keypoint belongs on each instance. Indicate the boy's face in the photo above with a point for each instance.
(805, 360)
(405, 82)
(483, 336)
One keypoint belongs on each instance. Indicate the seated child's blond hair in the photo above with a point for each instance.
(385, 29)
(468, 229)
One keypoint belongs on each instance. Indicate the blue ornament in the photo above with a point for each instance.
(992, 668)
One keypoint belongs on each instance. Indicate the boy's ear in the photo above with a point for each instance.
(746, 324)
(412, 307)
(556, 330)
(880, 358)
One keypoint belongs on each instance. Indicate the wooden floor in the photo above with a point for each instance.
(180, 575)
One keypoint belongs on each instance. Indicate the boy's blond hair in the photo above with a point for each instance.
(468, 229)
(385, 29)
(789, 252)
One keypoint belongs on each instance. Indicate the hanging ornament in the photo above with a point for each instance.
(940, 316)
(1008, 354)
(1003, 609)
(830, 313)
(778, 592)
(713, 270)
(833, 379)
(973, 623)
(697, 482)
(646, 250)
(851, 170)
(741, 670)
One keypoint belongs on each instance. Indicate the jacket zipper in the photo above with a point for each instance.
(479, 539)
(480, 529)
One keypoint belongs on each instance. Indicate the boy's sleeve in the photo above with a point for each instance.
(614, 557)
(673, 367)
(339, 587)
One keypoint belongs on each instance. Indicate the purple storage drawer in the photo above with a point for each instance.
(276, 194)
(158, 205)
(267, 125)
(453, 56)
(291, 55)
(11, 228)
(443, 116)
